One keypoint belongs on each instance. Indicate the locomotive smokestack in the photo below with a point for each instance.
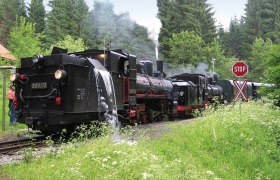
(160, 66)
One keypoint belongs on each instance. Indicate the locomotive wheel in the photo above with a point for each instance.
(165, 117)
(151, 116)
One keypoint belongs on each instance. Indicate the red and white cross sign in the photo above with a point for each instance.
(240, 89)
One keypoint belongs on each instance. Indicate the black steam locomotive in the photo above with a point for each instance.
(63, 90)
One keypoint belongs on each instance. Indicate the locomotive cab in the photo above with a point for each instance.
(183, 92)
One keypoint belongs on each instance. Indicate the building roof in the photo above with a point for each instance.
(4, 53)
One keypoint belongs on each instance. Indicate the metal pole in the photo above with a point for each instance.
(213, 63)
(104, 52)
(4, 102)
(240, 97)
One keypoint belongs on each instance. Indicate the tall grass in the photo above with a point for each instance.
(223, 144)
(232, 144)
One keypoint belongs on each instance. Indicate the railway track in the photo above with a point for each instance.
(12, 146)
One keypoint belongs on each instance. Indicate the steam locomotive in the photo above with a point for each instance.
(63, 90)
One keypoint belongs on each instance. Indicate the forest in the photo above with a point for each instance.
(188, 37)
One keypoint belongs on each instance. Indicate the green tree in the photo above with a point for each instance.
(140, 44)
(205, 17)
(88, 32)
(270, 14)
(106, 27)
(37, 15)
(262, 20)
(10, 11)
(256, 61)
(67, 17)
(185, 15)
(224, 67)
(188, 48)
(23, 41)
(253, 20)
(103, 21)
(272, 73)
(73, 45)
(167, 15)
(233, 40)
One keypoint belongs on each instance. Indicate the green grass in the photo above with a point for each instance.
(224, 144)
(230, 143)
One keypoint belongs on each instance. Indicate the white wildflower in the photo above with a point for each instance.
(154, 157)
(131, 143)
(210, 173)
(106, 159)
(117, 152)
(120, 142)
(146, 175)
(90, 153)
(178, 160)
(114, 163)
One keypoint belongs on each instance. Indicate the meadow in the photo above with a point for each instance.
(223, 144)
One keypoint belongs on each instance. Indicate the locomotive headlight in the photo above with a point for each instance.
(60, 74)
(14, 77)
(37, 58)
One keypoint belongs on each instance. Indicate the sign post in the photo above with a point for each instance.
(240, 69)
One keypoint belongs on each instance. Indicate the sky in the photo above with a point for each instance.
(144, 12)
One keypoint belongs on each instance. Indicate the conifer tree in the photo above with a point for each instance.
(207, 21)
(185, 15)
(234, 39)
(119, 31)
(66, 18)
(37, 14)
(262, 21)
(256, 60)
(10, 12)
(166, 9)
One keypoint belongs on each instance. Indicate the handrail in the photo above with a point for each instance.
(34, 97)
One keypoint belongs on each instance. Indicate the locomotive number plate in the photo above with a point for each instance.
(40, 85)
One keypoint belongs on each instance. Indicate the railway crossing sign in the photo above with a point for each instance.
(240, 90)
(239, 69)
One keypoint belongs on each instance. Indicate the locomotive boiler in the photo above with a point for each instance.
(154, 94)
